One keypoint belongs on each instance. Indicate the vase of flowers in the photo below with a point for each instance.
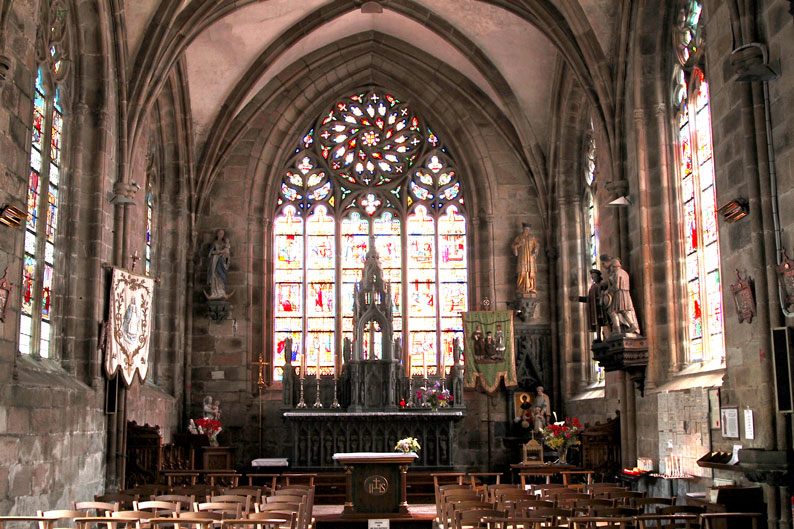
(209, 427)
(560, 436)
(434, 396)
(407, 445)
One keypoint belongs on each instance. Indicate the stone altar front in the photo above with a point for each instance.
(375, 481)
(319, 434)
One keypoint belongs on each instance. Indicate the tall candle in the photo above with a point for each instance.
(303, 365)
(424, 363)
(337, 365)
(318, 363)
(408, 365)
(443, 371)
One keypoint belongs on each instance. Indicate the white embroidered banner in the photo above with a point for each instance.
(129, 325)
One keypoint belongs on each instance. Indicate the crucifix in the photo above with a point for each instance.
(135, 260)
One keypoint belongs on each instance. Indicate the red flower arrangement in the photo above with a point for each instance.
(562, 435)
(209, 427)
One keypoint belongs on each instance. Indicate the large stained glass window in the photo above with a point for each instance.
(697, 191)
(44, 184)
(369, 169)
(42, 221)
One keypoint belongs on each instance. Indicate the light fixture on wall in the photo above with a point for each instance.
(371, 8)
(735, 210)
(5, 68)
(622, 200)
(11, 216)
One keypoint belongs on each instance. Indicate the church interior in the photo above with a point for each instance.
(282, 230)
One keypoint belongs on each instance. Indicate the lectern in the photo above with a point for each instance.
(375, 481)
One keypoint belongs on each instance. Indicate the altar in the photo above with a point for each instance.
(375, 481)
(371, 400)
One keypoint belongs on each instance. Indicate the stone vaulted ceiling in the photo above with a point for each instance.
(511, 50)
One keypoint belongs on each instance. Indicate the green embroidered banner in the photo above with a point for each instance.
(489, 355)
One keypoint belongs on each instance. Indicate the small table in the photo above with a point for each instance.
(375, 481)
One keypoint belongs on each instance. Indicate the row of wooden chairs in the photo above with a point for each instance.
(293, 504)
(490, 519)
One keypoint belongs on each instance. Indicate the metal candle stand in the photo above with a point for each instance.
(317, 403)
(410, 403)
(301, 402)
(335, 403)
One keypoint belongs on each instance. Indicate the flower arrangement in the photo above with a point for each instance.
(435, 396)
(560, 436)
(208, 427)
(409, 444)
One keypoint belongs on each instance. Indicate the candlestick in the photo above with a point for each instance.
(335, 403)
(301, 402)
(303, 366)
(410, 403)
(317, 403)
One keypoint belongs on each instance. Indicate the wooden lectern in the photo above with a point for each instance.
(375, 481)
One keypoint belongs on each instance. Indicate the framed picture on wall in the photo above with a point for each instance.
(729, 420)
(714, 409)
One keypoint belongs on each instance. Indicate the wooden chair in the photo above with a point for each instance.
(254, 492)
(159, 509)
(124, 500)
(462, 506)
(555, 517)
(226, 510)
(445, 517)
(584, 507)
(652, 505)
(95, 508)
(626, 497)
(567, 500)
(667, 521)
(244, 501)
(473, 519)
(492, 490)
(59, 515)
(218, 480)
(297, 508)
(199, 491)
(195, 520)
(185, 502)
(601, 522)
(526, 507)
(513, 522)
(47, 522)
(619, 511)
(291, 517)
(104, 522)
(269, 522)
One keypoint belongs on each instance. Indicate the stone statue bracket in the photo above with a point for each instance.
(524, 305)
(218, 309)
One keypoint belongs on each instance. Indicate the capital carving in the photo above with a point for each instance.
(126, 189)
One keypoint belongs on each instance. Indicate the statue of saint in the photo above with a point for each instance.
(541, 410)
(212, 410)
(596, 315)
(619, 308)
(218, 266)
(525, 247)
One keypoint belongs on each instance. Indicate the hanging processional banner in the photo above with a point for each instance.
(129, 325)
(489, 355)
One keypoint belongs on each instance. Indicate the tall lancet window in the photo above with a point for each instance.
(590, 165)
(697, 191)
(148, 252)
(369, 166)
(44, 182)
